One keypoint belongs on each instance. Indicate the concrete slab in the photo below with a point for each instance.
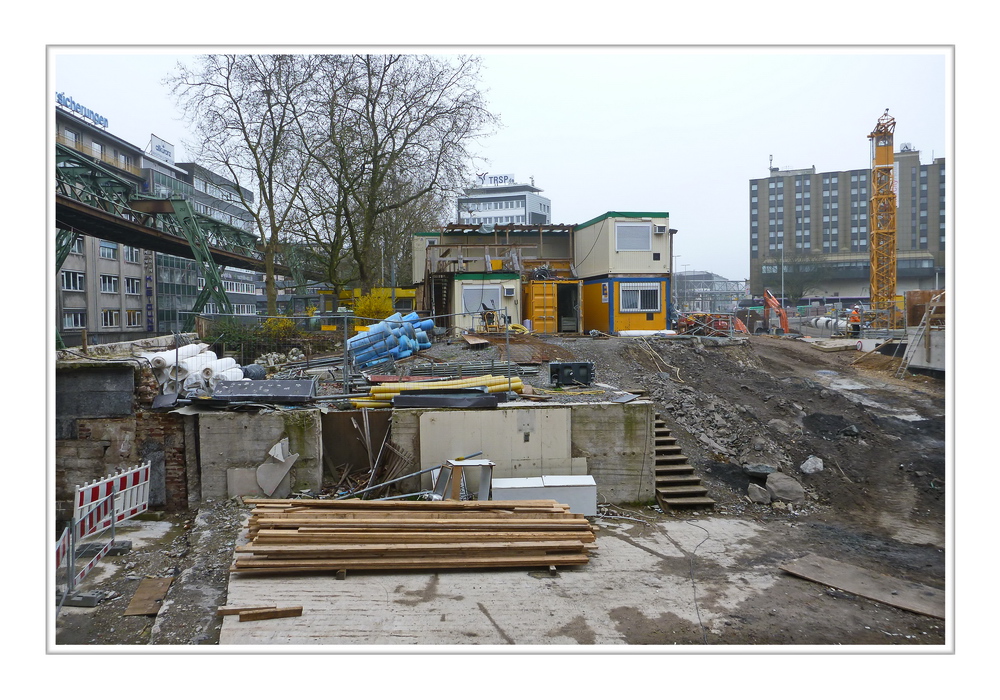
(640, 571)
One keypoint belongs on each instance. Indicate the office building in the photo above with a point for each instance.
(118, 292)
(498, 199)
(815, 226)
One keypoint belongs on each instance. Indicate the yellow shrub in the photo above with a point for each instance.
(376, 305)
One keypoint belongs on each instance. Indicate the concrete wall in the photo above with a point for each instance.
(610, 441)
(234, 445)
(617, 441)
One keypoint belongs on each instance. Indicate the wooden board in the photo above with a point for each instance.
(475, 341)
(240, 610)
(902, 594)
(149, 596)
(270, 613)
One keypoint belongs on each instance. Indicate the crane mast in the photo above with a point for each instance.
(882, 228)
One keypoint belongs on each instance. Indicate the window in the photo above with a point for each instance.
(639, 297)
(109, 250)
(97, 150)
(133, 318)
(133, 285)
(474, 296)
(71, 137)
(74, 319)
(633, 236)
(109, 284)
(131, 254)
(77, 247)
(72, 281)
(110, 318)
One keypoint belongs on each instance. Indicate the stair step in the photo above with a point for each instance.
(668, 450)
(668, 480)
(674, 470)
(667, 503)
(682, 491)
(671, 459)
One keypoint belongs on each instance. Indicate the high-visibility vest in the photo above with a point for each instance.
(855, 318)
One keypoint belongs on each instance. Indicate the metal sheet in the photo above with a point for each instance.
(267, 390)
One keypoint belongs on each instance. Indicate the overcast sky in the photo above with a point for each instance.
(629, 129)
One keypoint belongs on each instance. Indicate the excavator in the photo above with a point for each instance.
(772, 304)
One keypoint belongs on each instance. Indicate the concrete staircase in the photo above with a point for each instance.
(676, 485)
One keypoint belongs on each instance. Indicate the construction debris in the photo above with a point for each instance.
(313, 535)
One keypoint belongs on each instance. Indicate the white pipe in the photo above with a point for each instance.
(640, 334)
(192, 364)
(166, 358)
(213, 368)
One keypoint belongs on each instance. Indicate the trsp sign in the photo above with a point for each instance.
(487, 180)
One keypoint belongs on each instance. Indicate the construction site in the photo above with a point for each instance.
(696, 475)
(539, 457)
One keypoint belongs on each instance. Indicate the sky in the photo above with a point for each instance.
(628, 128)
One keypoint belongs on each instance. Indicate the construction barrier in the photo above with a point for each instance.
(98, 506)
(131, 491)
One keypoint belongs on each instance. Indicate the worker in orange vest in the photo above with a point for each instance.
(855, 323)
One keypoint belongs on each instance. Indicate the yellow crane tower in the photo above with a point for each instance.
(882, 227)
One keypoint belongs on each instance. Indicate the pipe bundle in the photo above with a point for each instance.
(396, 337)
(198, 369)
(380, 396)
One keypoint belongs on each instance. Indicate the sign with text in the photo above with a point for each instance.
(161, 149)
(72, 105)
(487, 180)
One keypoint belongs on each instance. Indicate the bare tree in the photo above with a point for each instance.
(803, 274)
(245, 110)
(396, 131)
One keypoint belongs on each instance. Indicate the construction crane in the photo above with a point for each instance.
(882, 227)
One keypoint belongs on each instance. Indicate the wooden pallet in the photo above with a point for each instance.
(676, 484)
(314, 535)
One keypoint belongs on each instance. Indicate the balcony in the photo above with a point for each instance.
(99, 156)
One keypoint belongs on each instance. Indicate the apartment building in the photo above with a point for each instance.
(816, 226)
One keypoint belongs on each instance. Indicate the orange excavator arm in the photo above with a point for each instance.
(770, 302)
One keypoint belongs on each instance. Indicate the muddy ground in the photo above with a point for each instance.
(879, 502)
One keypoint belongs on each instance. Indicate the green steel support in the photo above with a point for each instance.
(196, 238)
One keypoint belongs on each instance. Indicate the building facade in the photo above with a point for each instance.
(498, 199)
(116, 292)
(813, 228)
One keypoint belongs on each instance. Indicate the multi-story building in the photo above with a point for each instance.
(118, 292)
(498, 199)
(813, 228)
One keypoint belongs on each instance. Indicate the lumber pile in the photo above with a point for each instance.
(314, 535)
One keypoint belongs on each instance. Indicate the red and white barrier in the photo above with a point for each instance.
(131, 497)
(62, 547)
(98, 506)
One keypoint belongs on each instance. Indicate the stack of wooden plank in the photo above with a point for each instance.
(312, 535)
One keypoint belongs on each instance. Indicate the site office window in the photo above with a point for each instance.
(633, 236)
(639, 297)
